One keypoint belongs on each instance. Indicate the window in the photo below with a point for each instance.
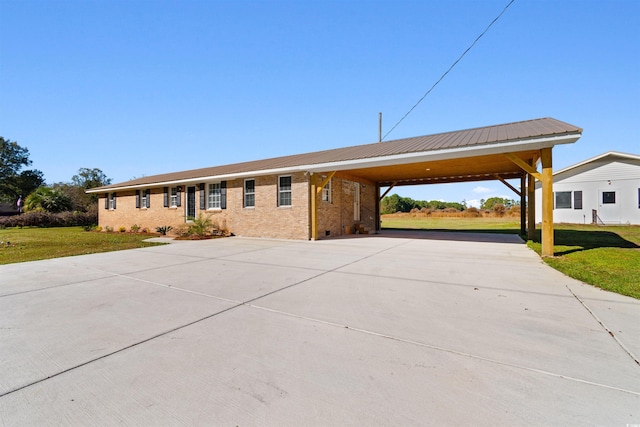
(577, 200)
(174, 198)
(326, 192)
(608, 197)
(112, 201)
(638, 198)
(284, 191)
(143, 200)
(563, 199)
(214, 196)
(249, 193)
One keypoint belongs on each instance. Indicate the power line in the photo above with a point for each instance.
(450, 68)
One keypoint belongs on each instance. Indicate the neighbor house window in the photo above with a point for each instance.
(326, 192)
(577, 200)
(213, 198)
(249, 193)
(608, 197)
(112, 201)
(563, 199)
(284, 191)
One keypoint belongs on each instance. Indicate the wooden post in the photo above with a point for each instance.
(547, 202)
(523, 204)
(531, 207)
(314, 208)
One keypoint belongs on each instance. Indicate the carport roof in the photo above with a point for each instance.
(402, 161)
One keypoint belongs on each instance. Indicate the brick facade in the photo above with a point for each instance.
(265, 219)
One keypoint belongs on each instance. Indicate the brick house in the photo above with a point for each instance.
(332, 192)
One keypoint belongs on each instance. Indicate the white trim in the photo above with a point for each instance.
(244, 193)
(290, 191)
(601, 156)
(396, 159)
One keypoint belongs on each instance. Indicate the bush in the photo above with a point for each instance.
(46, 219)
(499, 209)
(163, 230)
(135, 228)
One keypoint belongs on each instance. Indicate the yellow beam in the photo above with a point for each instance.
(324, 182)
(314, 207)
(547, 202)
(514, 189)
(524, 166)
(388, 189)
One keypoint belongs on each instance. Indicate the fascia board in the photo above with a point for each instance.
(599, 157)
(447, 154)
(397, 159)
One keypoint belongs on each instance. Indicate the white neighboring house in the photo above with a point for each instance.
(604, 189)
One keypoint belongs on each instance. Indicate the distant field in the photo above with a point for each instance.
(495, 224)
(603, 256)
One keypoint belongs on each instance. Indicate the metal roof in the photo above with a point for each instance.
(510, 137)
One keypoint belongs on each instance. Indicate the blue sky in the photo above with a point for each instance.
(145, 87)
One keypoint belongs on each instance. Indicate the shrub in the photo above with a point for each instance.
(163, 230)
(45, 219)
(122, 229)
(108, 229)
(135, 228)
(499, 209)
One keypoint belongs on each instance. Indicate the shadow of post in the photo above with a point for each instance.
(586, 239)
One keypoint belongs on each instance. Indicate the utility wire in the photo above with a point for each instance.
(450, 68)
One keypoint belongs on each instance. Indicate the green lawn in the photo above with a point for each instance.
(30, 244)
(606, 257)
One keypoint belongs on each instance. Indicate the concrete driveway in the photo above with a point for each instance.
(444, 329)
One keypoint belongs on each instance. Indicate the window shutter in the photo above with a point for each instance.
(166, 197)
(202, 198)
(114, 200)
(179, 198)
(138, 199)
(106, 201)
(147, 192)
(223, 195)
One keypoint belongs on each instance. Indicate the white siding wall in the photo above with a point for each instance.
(606, 175)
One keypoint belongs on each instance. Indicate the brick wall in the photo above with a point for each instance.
(266, 219)
(337, 215)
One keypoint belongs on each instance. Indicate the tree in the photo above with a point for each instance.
(15, 182)
(90, 178)
(46, 199)
(491, 201)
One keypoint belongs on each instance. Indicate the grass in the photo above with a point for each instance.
(31, 244)
(606, 257)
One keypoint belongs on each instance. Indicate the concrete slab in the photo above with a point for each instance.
(372, 330)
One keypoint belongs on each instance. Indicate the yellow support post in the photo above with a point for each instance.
(547, 202)
(531, 207)
(314, 208)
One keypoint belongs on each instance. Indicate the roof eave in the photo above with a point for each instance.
(406, 158)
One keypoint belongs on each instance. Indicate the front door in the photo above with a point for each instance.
(191, 203)
(608, 206)
(356, 201)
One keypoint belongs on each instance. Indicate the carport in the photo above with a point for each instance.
(501, 152)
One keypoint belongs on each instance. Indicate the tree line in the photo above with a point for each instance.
(26, 189)
(395, 203)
